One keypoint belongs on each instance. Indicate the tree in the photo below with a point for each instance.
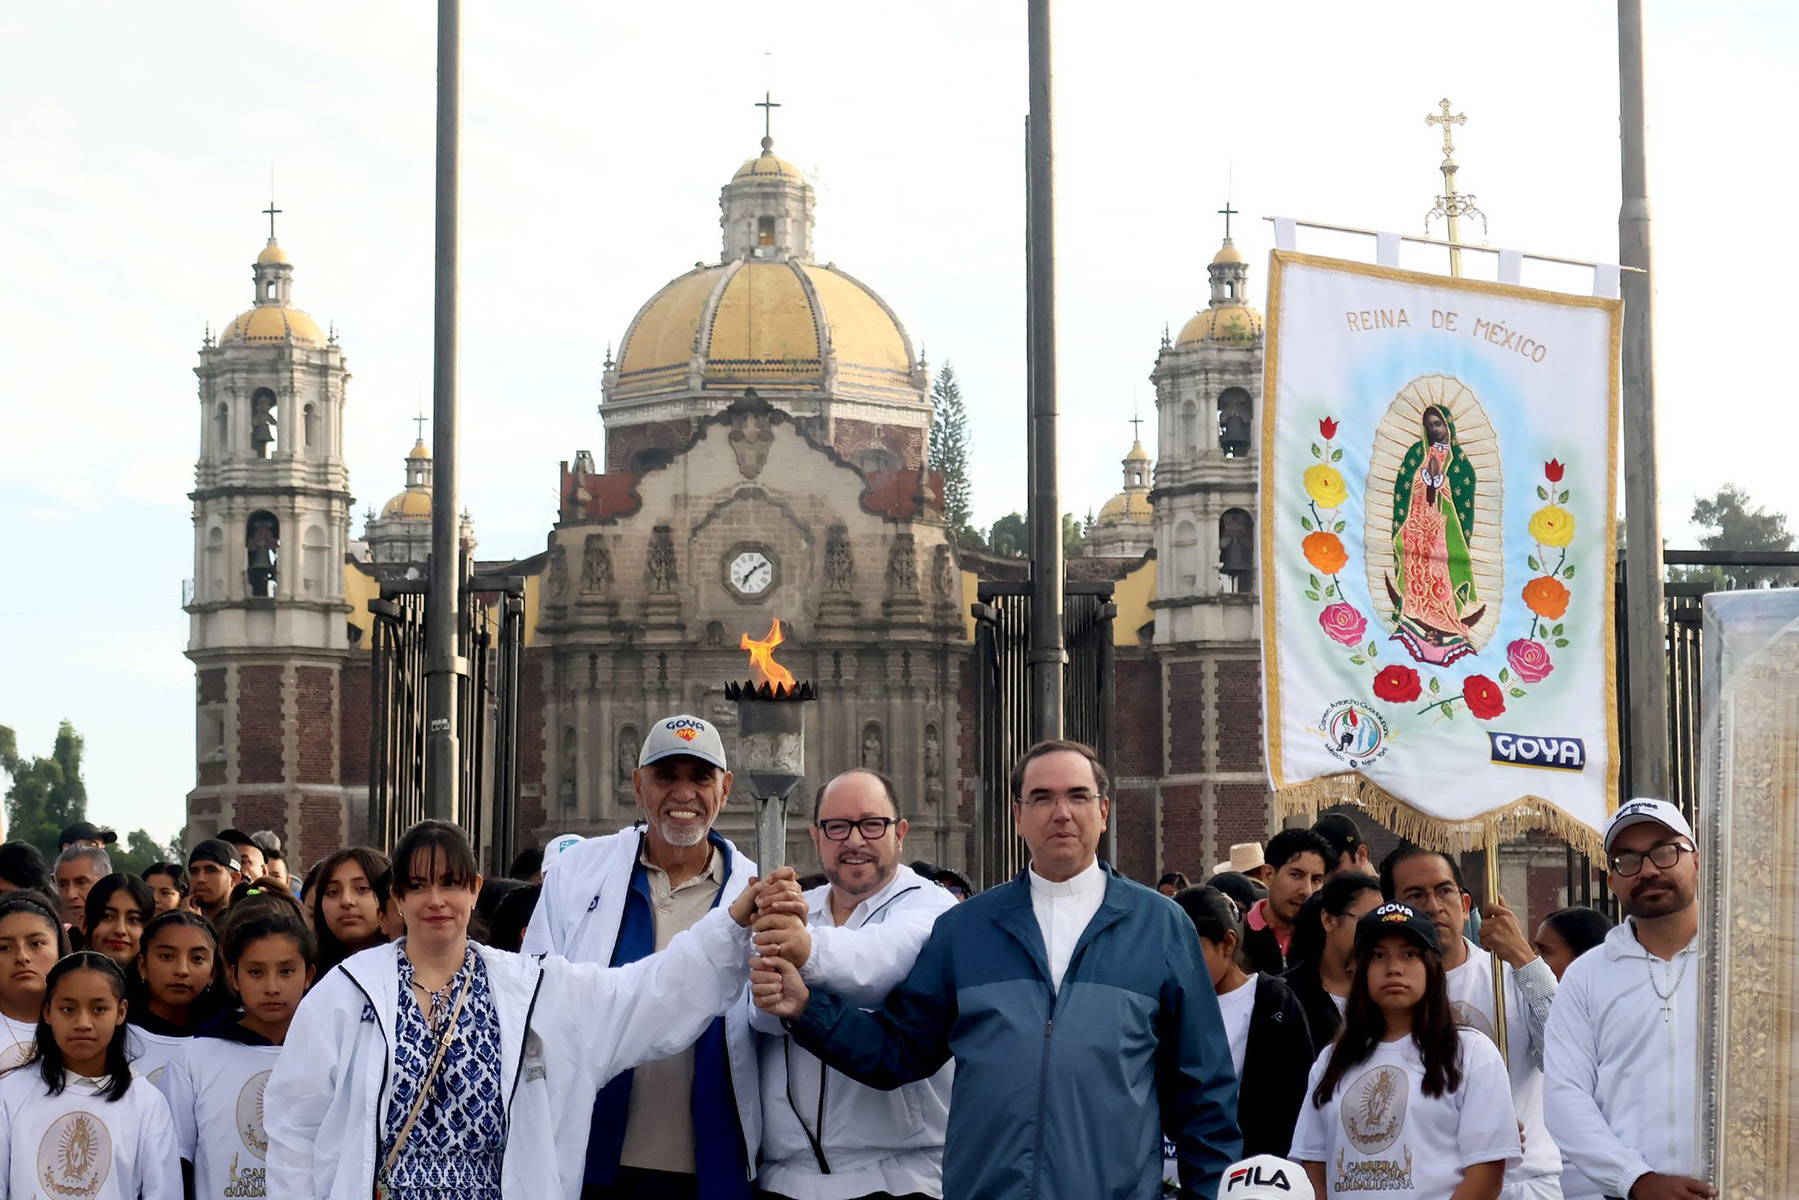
(1074, 535)
(47, 795)
(1736, 524)
(1007, 537)
(949, 448)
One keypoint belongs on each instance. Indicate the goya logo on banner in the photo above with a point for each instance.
(1551, 753)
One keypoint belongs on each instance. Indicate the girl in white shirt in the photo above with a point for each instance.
(1405, 1102)
(117, 908)
(73, 1120)
(179, 991)
(215, 1083)
(31, 940)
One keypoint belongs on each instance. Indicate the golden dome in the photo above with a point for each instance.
(1231, 324)
(263, 326)
(419, 451)
(1137, 454)
(767, 166)
(413, 504)
(1228, 253)
(1132, 507)
(272, 253)
(763, 324)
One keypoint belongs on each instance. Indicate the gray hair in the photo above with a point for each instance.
(101, 861)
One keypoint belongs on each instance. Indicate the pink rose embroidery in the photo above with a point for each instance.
(1529, 660)
(1343, 623)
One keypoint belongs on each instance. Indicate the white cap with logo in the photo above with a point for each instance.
(554, 848)
(1266, 1177)
(1644, 809)
(682, 734)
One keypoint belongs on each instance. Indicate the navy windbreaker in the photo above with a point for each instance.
(1058, 1095)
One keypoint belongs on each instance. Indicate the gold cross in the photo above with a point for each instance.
(1447, 121)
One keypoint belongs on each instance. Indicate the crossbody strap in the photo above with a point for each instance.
(437, 1059)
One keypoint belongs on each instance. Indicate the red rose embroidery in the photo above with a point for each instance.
(1397, 685)
(1484, 697)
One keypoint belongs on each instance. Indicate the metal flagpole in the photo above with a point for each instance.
(444, 667)
(1047, 655)
(1645, 625)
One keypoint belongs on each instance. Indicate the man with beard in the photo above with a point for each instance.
(686, 1127)
(824, 1136)
(1622, 1055)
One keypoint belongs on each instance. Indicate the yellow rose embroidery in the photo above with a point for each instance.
(1325, 486)
(1552, 525)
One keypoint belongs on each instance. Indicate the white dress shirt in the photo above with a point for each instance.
(1063, 910)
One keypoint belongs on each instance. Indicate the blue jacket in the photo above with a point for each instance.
(1058, 1095)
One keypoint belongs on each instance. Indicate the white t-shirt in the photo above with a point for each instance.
(1235, 1007)
(1381, 1133)
(17, 1040)
(1471, 995)
(215, 1096)
(81, 1144)
(149, 1052)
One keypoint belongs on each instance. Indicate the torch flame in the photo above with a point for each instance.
(762, 657)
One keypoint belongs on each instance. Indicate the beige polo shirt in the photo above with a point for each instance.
(659, 1126)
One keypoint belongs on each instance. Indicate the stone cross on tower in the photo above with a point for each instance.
(768, 105)
(1227, 212)
(272, 211)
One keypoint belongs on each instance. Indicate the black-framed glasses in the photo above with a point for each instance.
(1663, 855)
(871, 828)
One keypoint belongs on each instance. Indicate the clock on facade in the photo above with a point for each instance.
(749, 572)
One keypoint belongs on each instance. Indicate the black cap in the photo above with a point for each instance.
(1340, 831)
(84, 831)
(1399, 918)
(213, 850)
(236, 837)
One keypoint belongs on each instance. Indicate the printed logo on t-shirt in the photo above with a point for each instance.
(249, 1115)
(534, 1064)
(11, 1056)
(1473, 1018)
(1374, 1174)
(1373, 1108)
(75, 1156)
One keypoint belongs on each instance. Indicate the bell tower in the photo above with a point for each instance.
(266, 608)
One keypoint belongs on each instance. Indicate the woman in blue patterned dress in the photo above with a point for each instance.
(431, 1068)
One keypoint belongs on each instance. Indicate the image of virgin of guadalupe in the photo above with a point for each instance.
(1432, 587)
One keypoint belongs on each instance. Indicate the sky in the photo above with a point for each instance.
(141, 141)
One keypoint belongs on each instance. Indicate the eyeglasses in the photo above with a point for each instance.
(1663, 855)
(1047, 799)
(1444, 893)
(871, 828)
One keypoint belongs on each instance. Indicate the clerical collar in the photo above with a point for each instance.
(1081, 883)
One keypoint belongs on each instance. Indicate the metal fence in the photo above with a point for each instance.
(1002, 699)
(492, 641)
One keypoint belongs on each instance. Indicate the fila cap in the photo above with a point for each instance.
(682, 734)
(1266, 1177)
(1644, 809)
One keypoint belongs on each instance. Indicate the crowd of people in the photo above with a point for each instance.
(646, 1015)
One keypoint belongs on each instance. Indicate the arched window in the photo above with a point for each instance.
(1234, 425)
(221, 431)
(214, 567)
(1236, 551)
(262, 553)
(765, 231)
(310, 427)
(317, 551)
(265, 431)
(1186, 559)
(1189, 429)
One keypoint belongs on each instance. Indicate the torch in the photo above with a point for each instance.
(771, 742)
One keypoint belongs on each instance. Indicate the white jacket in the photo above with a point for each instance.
(565, 1029)
(1620, 1081)
(873, 1141)
(578, 916)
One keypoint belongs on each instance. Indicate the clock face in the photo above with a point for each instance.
(751, 572)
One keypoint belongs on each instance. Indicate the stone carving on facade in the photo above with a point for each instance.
(840, 560)
(873, 752)
(661, 566)
(628, 748)
(902, 565)
(943, 573)
(558, 570)
(933, 753)
(566, 787)
(596, 564)
(752, 436)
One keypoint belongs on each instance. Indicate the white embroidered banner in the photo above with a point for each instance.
(1438, 483)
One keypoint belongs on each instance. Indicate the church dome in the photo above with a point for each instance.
(1228, 253)
(419, 450)
(764, 324)
(409, 505)
(767, 166)
(1126, 507)
(273, 253)
(265, 325)
(1237, 324)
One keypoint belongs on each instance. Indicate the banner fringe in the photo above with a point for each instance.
(1521, 816)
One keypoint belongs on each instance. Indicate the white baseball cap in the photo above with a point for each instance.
(1644, 809)
(683, 734)
(1266, 1177)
